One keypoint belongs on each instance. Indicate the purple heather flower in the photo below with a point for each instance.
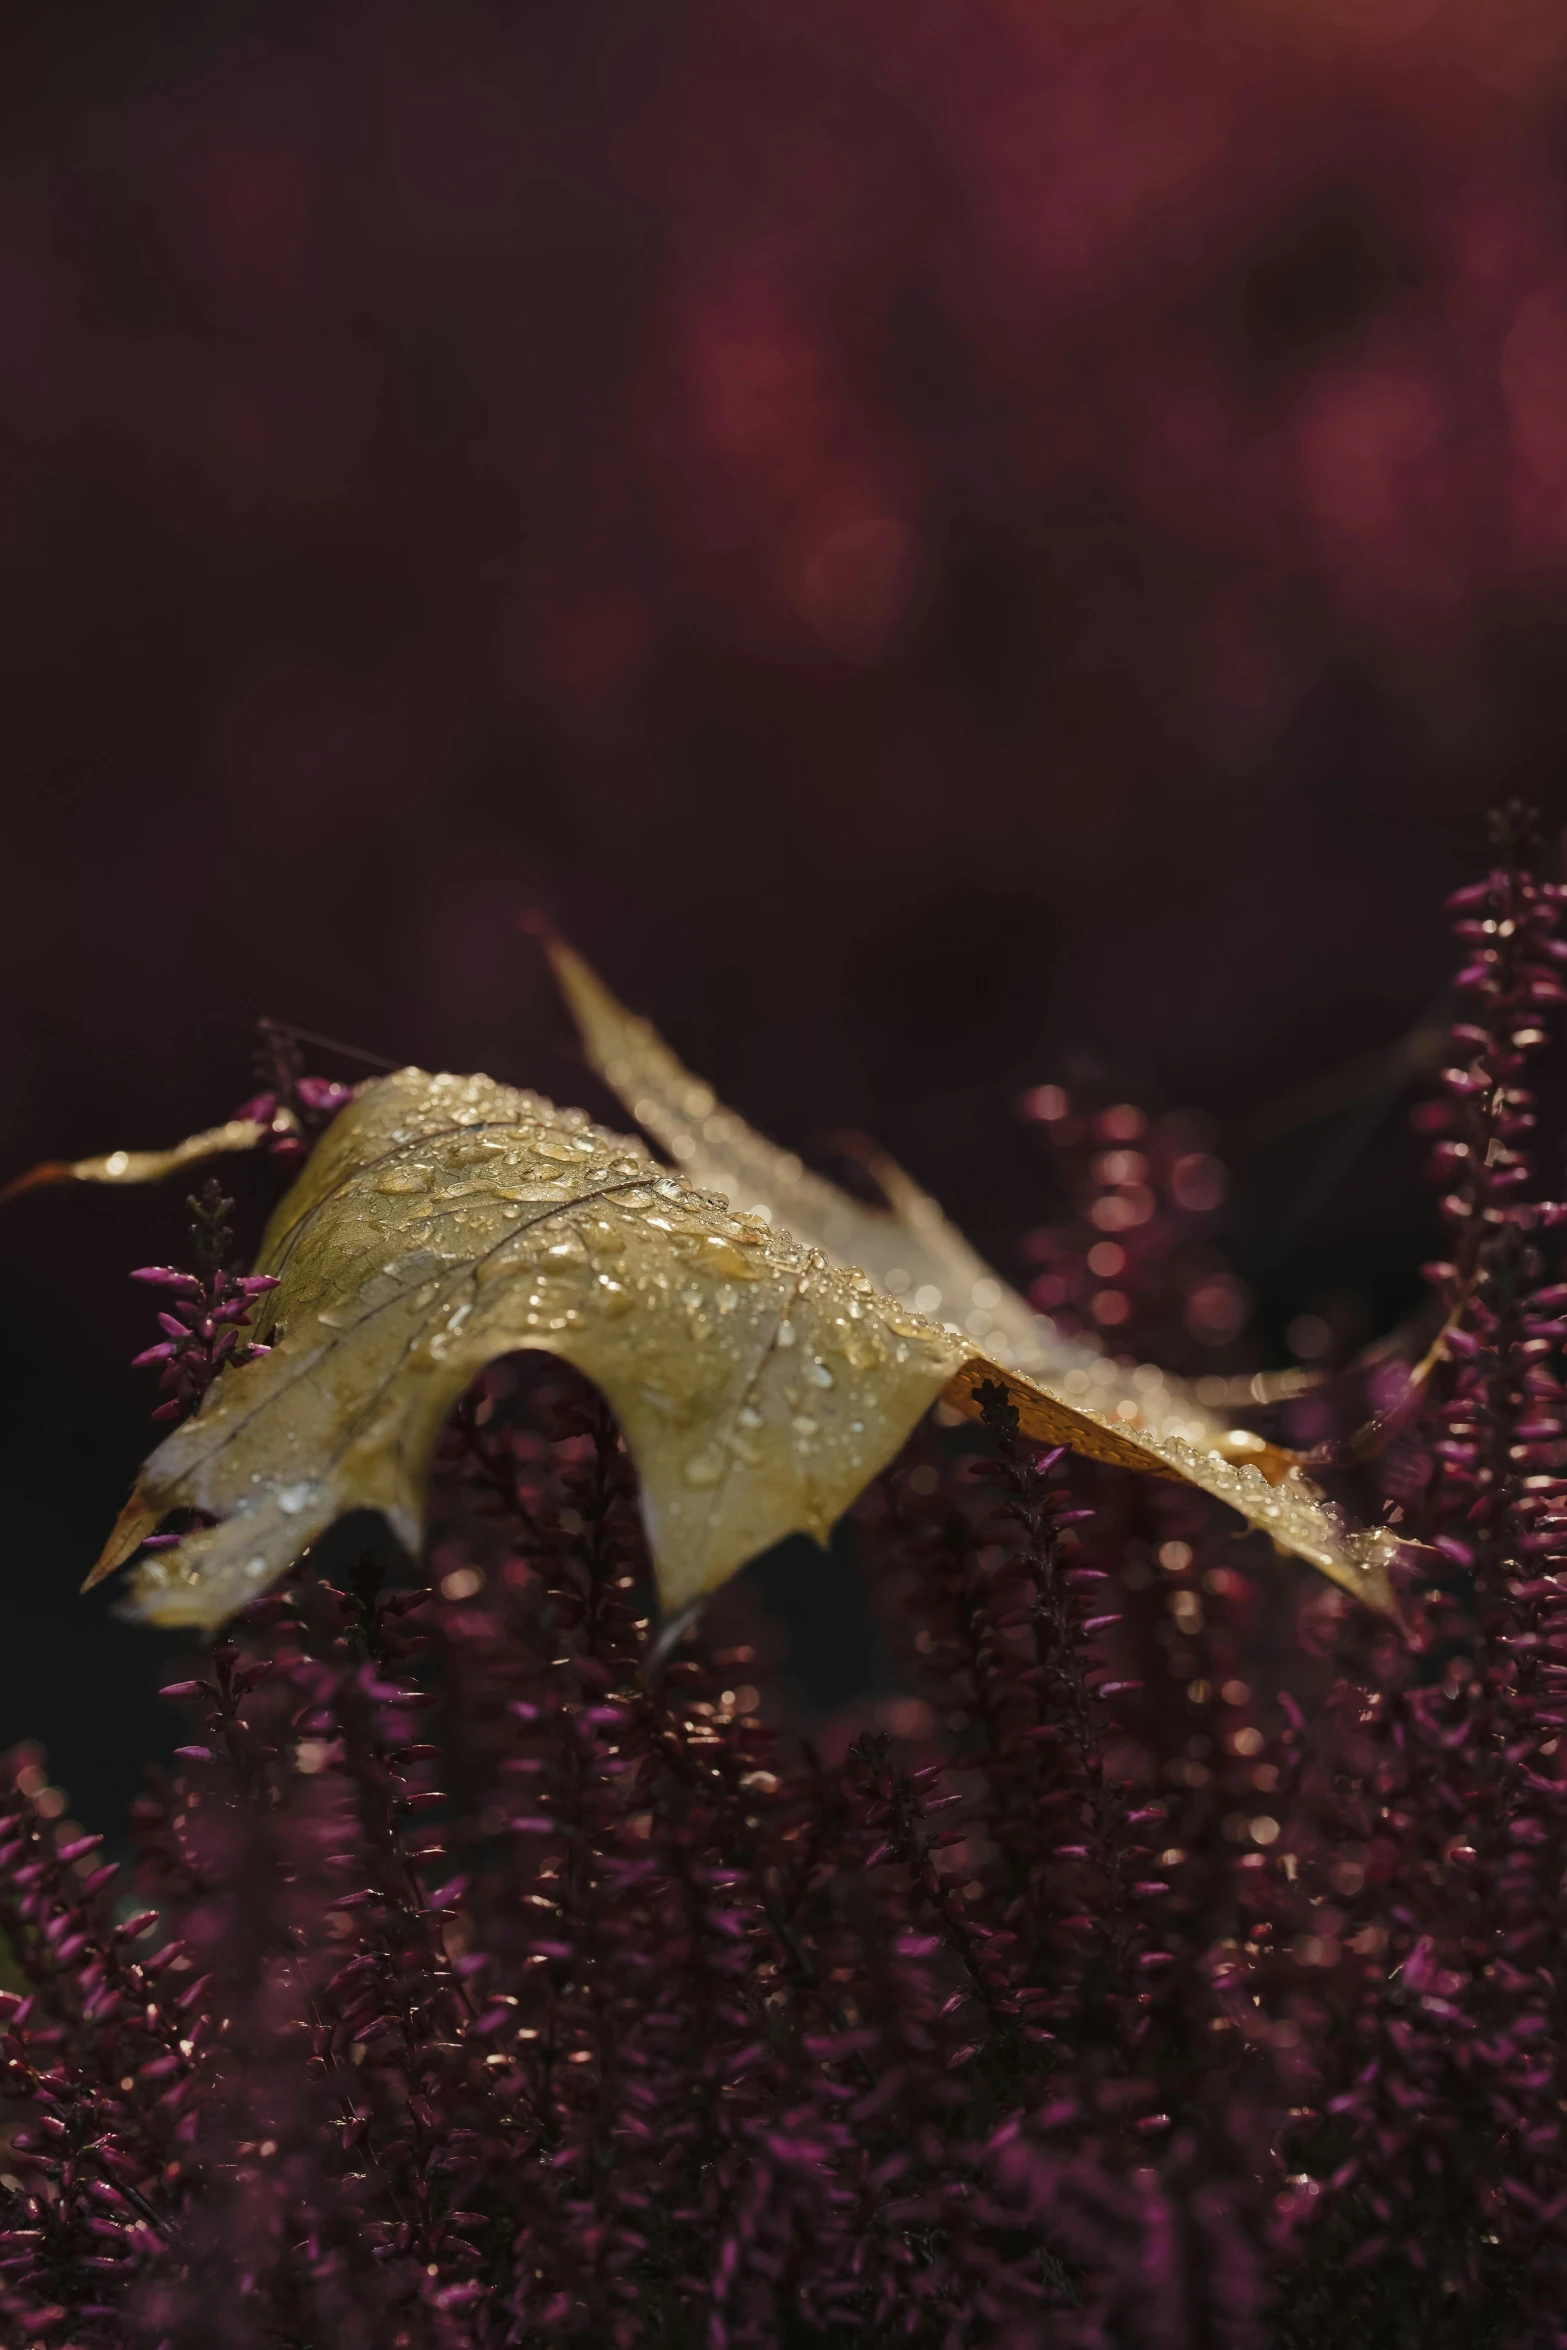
(477, 1984)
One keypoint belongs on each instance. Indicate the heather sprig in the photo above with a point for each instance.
(1426, 1855)
(208, 1309)
(291, 1104)
(101, 2056)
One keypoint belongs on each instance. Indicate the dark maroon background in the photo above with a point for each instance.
(940, 538)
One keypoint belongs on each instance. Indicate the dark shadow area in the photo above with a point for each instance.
(74, 1675)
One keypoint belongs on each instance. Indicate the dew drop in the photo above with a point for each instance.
(819, 1375)
(722, 1256)
(785, 1332)
(705, 1468)
(293, 1498)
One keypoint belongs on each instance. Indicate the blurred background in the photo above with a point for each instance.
(953, 547)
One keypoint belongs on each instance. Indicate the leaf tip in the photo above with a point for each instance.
(114, 1167)
(131, 1528)
(44, 1176)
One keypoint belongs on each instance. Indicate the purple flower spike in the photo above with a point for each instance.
(477, 1983)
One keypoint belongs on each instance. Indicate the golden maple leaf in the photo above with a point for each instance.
(442, 1221)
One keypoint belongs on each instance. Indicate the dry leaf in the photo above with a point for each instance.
(240, 1134)
(908, 1248)
(442, 1221)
